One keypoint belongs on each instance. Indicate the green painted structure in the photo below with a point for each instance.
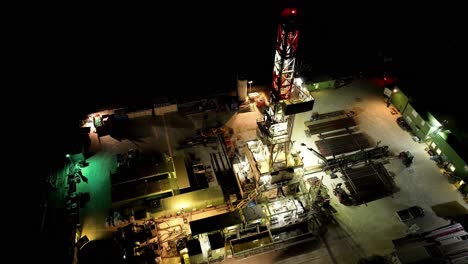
(430, 130)
(315, 86)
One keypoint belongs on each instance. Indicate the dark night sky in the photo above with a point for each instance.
(120, 54)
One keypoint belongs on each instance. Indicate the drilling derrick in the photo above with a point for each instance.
(270, 171)
(285, 56)
(287, 97)
(274, 163)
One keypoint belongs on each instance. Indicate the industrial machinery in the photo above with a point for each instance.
(274, 160)
(342, 195)
(287, 97)
(406, 158)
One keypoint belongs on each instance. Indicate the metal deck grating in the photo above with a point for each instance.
(343, 144)
(336, 123)
(368, 182)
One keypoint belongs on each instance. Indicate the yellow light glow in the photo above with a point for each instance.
(95, 229)
(395, 90)
(183, 205)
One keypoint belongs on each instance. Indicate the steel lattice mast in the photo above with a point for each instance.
(287, 95)
(285, 56)
(274, 161)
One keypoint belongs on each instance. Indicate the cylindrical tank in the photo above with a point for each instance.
(241, 90)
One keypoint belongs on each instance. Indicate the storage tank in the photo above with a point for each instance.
(241, 90)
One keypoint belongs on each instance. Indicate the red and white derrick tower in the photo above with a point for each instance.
(285, 55)
(276, 162)
(287, 97)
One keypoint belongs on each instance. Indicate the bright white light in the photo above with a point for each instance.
(438, 151)
(266, 179)
(452, 168)
(298, 81)
(395, 90)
